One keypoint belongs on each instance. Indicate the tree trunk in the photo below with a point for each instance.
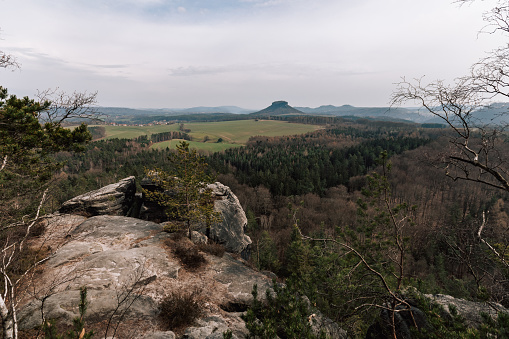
(8, 330)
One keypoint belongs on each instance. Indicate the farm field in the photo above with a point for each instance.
(130, 132)
(238, 132)
(232, 133)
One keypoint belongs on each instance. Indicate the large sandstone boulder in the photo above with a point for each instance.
(114, 199)
(230, 231)
(109, 255)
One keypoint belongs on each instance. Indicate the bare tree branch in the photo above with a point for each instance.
(64, 106)
(8, 61)
(500, 256)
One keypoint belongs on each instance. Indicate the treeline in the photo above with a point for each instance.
(165, 136)
(98, 132)
(310, 163)
(105, 162)
(336, 120)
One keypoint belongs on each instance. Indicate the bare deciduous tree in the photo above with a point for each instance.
(64, 106)
(475, 151)
(8, 61)
(474, 154)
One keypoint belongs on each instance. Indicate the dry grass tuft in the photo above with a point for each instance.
(180, 309)
(212, 248)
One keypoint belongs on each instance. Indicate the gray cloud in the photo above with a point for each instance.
(110, 66)
(243, 52)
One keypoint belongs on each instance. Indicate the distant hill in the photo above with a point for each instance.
(494, 114)
(383, 113)
(277, 108)
(204, 109)
(114, 111)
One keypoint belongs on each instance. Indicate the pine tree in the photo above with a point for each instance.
(183, 189)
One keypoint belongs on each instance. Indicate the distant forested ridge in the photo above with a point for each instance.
(198, 117)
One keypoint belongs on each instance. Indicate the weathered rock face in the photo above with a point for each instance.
(208, 328)
(229, 232)
(114, 199)
(111, 255)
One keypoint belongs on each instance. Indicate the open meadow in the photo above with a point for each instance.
(205, 135)
(131, 132)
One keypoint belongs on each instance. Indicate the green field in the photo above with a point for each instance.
(238, 132)
(233, 133)
(130, 132)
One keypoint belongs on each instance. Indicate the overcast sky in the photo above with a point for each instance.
(248, 53)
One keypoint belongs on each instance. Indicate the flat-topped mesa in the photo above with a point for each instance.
(280, 103)
(278, 108)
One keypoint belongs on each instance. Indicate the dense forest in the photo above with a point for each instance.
(310, 163)
(324, 184)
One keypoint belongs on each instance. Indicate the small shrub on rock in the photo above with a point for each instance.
(180, 309)
(212, 248)
(178, 236)
(189, 256)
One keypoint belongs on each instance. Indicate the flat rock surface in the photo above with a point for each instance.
(239, 279)
(111, 255)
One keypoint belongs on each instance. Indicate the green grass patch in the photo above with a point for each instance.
(130, 132)
(232, 133)
(238, 132)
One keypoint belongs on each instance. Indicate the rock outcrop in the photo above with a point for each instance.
(230, 231)
(114, 199)
(129, 265)
(112, 255)
(106, 254)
